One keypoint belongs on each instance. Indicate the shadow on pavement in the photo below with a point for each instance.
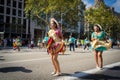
(65, 74)
(6, 52)
(1, 59)
(106, 74)
(115, 68)
(100, 75)
(14, 69)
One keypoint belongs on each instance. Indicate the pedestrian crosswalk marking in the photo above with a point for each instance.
(85, 73)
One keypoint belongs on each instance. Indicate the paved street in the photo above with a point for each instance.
(35, 64)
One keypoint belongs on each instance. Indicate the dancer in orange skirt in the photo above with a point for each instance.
(55, 45)
(14, 45)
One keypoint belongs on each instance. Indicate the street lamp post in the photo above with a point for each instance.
(62, 17)
(88, 30)
(29, 32)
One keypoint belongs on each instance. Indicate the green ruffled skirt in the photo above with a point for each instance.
(102, 48)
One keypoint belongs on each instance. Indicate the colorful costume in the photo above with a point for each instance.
(18, 42)
(55, 43)
(14, 45)
(99, 44)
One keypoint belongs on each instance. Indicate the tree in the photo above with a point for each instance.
(103, 16)
(42, 10)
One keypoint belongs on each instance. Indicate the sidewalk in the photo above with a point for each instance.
(109, 72)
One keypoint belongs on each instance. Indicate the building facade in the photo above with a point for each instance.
(12, 19)
(37, 31)
(81, 22)
(14, 23)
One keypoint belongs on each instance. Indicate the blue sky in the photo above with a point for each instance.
(113, 3)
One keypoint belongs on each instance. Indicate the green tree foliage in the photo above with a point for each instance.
(45, 9)
(103, 16)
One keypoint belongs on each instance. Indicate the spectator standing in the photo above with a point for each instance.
(87, 44)
(5, 42)
(39, 43)
(71, 43)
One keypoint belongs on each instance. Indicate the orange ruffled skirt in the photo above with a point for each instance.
(54, 47)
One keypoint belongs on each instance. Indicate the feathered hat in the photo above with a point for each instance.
(53, 19)
(98, 25)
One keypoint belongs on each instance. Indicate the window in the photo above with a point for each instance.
(14, 20)
(24, 22)
(24, 29)
(24, 26)
(20, 0)
(8, 2)
(7, 28)
(8, 11)
(13, 28)
(19, 13)
(24, 5)
(7, 19)
(1, 18)
(19, 27)
(1, 9)
(1, 27)
(14, 12)
(1, 23)
(19, 20)
(24, 14)
(23, 35)
(14, 3)
(2, 2)
(20, 5)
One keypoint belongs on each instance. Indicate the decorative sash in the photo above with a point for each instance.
(51, 35)
(98, 43)
(50, 41)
